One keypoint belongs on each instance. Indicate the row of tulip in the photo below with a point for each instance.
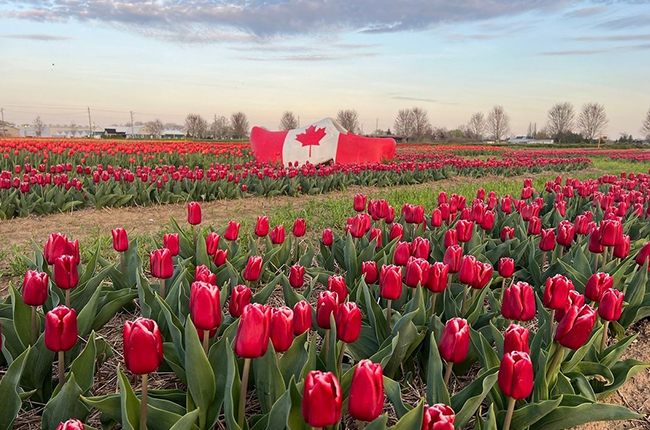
(205, 316)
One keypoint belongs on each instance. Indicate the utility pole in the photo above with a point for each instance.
(90, 124)
(376, 126)
(298, 121)
(131, 124)
(4, 128)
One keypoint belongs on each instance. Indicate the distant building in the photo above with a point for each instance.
(9, 131)
(529, 140)
(173, 134)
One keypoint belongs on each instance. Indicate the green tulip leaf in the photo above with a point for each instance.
(200, 377)
(10, 391)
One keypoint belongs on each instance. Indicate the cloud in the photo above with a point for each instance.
(577, 52)
(311, 57)
(40, 37)
(626, 22)
(613, 38)
(585, 12)
(420, 99)
(465, 37)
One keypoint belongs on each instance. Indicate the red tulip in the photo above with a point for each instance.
(451, 238)
(212, 243)
(336, 284)
(328, 237)
(35, 288)
(296, 276)
(369, 269)
(282, 328)
(565, 233)
(643, 254)
(436, 218)
(328, 304)
(252, 338)
(60, 329)
(358, 225)
(402, 253)
(390, 282)
(299, 227)
(171, 242)
(66, 275)
(516, 375)
(366, 400)
(534, 225)
(576, 326)
(193, 213)
(413, 214)
(597, 284)
(375, 233)
(161, 263)
(417, 272)
(203, 274)
(420, 248)
(468, 269)
(519, 302)
(322, 399)
(390, 215)
(277, 235)
(143, 346)
(220, 257)
(516, 339)
(506, 267)
(454, 343)
(557, 291)
(239, 299)
(611, 231)
(205, 306)
(506, 204)
(488, 221)
(348, 322)
(483, 275)
(453, 258)
(438, 417)
(253, 268)
(396, 231)
(465, 230)
(301, 317)
(581, 224)
(622, 248)
(73, 424)
(611, 305)
(120, 240)
(57, 245)
(438, 277)
(232, 231)
(547, 240)
(360, 202)
(262, 226)
(507, 233)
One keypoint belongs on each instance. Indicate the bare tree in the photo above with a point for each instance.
(498, 123)
(592, 121)
(561, 118)
(349, 119)
(404, 123)
(239, 124)
(195, 125)
(220, 127)
(645, 128)
(288, 121)
(155, 127)
(421, 124)
(39, 126)
(476, 126)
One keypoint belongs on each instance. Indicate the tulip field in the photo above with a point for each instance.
(487, 311)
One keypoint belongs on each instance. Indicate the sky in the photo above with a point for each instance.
(166, 58)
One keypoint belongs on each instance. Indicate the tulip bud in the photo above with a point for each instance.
(220, 257)
(396, 231)
(451, 238)
(322, 399)
(622, 248)
(453, 258)
(547, 240)
(643, 254)
(360, 202)
(438, 277)
(203, 274)
(161, 263)
(611, 305)
(506, 267)
(507, 233)
(282, 328)
(239, 299)
(417, 272)
(299, 227)
(369, 269)
(262, 226)
(253, 268)
(253, 331)
(574, 298)
(328, 237)
(296, 276)
(575, 328)
(73, 424)
(171, 242)
(193, 213)
(468, 269)
(390, 215)
(143, 346)
(565, 233)
(66, 275)
(35, 288)
(301, 317)
(611, 231)
(557, 291)
(519, 302)
(436, 218)
(376, 233)
(465, 230)
(60, 329)
(232, 231)
(120, 240)
(390, 282)
(402, 253)
(420, 248)
(328, 303)
(488, 221)
(516, 375)
(366, 400)
(534, 225)
(205, 306)
(348, 322)
(594, 242)
(597, 284)
(57, 245)
(454, 343)
(336, 284)
(277, 235)
(212, 243)
(516, 339)
(438, 417)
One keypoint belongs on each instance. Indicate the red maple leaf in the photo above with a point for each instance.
(311, 137)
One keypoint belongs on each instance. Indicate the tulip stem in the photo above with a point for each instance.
(464, 303)
(388, 312)
(327, 343)
(603, 342)
(67, 298)
(448, 369)
(163, 286)
(206, 341)
(503, 288)
(242, 392)
(434, 297)
(602, 265)
(143, 402)
(340, 366)
(122, 264)
(544, 260)
(550, 326)
(61, 368)
(596, 263)
(34, 324)
(194, 241)
(511, 410)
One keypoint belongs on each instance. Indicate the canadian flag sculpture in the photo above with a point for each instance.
(318, 143)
